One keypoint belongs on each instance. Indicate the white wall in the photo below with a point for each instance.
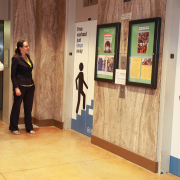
(75, 12)
(83, 13)
(168, 84)
(69, 62)
(175, 144)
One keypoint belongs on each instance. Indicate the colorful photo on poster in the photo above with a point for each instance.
(105, 66)
(101, 63)
(110, 64)
(107, 48)
(143, 40)
(147, 61)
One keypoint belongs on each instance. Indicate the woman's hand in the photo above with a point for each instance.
(17, 91)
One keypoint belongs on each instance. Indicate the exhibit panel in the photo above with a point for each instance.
(143, 52)
(83, 88)
(107, 51)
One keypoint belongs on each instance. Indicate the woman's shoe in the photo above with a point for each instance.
(32, 132)
(16, 132)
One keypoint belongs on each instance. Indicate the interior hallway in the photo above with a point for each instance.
(54, 154)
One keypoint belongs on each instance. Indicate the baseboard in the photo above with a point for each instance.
(21, 121)
(44, 122)
(130, 156)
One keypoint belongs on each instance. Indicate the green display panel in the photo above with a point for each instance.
(143, 52)
(107, 51)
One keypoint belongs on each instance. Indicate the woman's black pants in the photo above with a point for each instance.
(27, 95)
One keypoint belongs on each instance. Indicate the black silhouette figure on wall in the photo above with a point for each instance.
(79, 87)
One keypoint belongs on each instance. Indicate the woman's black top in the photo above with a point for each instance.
(21, 72)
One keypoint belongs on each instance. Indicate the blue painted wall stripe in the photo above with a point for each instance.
(84, 122)
(174, 166)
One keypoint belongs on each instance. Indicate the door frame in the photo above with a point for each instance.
(167, 85)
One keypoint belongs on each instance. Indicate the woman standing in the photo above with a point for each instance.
(23, 87)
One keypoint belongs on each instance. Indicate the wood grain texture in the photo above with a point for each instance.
(24, 28)
(46, 56)
(50, 55)
(42, 25)
(58, 98)
(130, 123)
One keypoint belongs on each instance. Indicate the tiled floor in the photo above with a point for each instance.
(54, 154)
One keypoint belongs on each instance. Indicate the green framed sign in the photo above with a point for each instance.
(107, 51)
(143, 52)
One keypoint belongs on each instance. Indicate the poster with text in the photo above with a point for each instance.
(83, 89)
(107, 51)
(143, 52)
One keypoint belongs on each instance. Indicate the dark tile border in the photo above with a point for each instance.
(44, 122)
(130, 156)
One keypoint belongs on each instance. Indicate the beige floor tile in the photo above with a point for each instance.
(53, 154)
(111, 169)
(1, 177)
(2, 124)
(4, 130)
(27, 149)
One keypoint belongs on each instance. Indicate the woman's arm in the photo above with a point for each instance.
(17, 91)
(13, 75)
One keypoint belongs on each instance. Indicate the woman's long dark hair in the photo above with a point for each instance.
(19, 44)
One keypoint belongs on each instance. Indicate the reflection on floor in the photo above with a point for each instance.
(22, 126)
(54, 154)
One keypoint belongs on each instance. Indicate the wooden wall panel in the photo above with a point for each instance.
(50, 37)
(130, 123)
(42, 24)
(24, 28)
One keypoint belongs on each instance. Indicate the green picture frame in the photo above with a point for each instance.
(107, 52)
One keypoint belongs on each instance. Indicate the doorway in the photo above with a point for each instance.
(175, 142)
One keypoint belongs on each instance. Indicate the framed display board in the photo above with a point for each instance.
(143, 52)
(107, 51)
